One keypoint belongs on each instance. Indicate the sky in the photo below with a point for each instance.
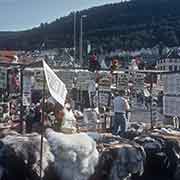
(25, 14)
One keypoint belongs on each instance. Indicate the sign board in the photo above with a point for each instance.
(67, 77)
(161, 80)
(122, 81)
(3, 78)
(171, 106)
(104, 84)
(83, 78)
(139, 81)
(1, 110)
(38, 79)
(90, 118)
(172, 84)
(104, 98)
(27, 87)
(114, 78)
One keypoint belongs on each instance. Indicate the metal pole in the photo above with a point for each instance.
(21, 103)
(151, 86)
(74, 36)
(81, 41)
(42, 127)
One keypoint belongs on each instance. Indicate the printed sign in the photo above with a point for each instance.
(172, 84)
(104, 98)
(83, 78)
(122, 81)
(56, 87)
(67, 77)
(38, 79)
(171, 106)
(139, 81)
(27, 87)
(105, 84)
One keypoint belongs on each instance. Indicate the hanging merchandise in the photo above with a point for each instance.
(27, 90)
(3, 78)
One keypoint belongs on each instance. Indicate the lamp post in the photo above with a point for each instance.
(81, 40)
(74, 37)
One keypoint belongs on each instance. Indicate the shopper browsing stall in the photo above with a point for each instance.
(120, 107)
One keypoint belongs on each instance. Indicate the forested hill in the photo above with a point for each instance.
(127, 25)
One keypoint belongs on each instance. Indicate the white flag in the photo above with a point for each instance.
(56, 87)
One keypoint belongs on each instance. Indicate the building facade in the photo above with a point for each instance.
(170, 61)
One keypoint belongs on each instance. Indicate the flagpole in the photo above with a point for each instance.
(42, 126)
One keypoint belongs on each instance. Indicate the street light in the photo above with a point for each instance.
(81, 40)
(74, 37)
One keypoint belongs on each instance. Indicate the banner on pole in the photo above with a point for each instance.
(56, 87)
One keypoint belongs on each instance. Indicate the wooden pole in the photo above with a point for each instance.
(42, 126)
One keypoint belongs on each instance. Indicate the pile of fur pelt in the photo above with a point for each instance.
(162, 147)
(146, 155)
(76, 155)
(20, 157)
(119, 158)
(84, 156)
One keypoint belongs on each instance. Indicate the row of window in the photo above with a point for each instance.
(170, 68)
(169, 61)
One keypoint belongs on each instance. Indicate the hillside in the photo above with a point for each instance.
(127, 25)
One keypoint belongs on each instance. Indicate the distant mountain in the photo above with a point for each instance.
(127, 25)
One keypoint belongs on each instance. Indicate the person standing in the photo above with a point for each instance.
(120, 107)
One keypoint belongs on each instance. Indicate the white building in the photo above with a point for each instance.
(170, 61)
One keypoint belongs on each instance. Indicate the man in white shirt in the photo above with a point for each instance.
(120, 106)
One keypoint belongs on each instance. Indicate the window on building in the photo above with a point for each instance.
(175, 68)
(170, 68)
(164, 68)
(170, 60)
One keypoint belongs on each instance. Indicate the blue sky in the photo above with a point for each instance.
(25, 14)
